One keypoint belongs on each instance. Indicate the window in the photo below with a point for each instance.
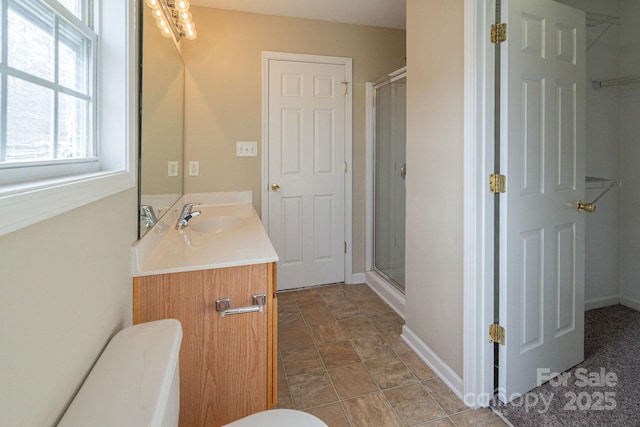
(47, 79)
(68, 84)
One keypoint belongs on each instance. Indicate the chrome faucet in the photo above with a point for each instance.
(148, 216)
(185, 216)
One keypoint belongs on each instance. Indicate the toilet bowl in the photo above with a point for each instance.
(136, 382)
(279, 418)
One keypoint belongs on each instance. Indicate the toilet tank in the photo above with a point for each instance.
(135, 382)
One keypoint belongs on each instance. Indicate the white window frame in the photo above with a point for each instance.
(27, 203)
(39, 170)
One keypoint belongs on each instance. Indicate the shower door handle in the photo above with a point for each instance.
(403, 171)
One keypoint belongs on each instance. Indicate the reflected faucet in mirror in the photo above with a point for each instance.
(148, 216)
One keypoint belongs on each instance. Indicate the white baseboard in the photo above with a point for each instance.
(601, 302)
(441, 369)
(612, 300)
(630, 302)
(387, 292)
(355, 278)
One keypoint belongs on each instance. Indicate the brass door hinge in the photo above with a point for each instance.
(498, 183)
(345, 167)
(496, 334)
(345, 85)
(345, 247)
(498, 33)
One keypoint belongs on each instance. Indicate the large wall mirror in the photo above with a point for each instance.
(162, 123)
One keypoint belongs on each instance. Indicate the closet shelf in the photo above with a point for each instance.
(594, 182)
(597, 183)
(594, 19)
(620, 81)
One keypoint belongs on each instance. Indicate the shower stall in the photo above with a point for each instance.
(386, 195)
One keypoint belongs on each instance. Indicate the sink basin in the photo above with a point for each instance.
(218, 224)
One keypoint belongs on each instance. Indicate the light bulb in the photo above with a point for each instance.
(191, 34)
(189, 26)
(185, 16)
(157, 13)
(165, 31)
(162, 24)
(153, 4)
(182, 5)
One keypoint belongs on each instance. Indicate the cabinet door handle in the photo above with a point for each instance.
(223, 306)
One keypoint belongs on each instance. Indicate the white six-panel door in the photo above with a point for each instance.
(306, 177)
(543, 154)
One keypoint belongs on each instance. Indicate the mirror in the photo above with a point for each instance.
(162, 122)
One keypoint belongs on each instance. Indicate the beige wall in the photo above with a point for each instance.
(224, 93)
(434, 245)
(65, 289)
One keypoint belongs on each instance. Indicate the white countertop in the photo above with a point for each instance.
(228, 233)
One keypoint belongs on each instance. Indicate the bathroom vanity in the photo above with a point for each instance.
(218, 278)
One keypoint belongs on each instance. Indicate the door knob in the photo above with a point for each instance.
(585, 207)
(275, 187)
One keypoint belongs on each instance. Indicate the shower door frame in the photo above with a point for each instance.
(379, 281)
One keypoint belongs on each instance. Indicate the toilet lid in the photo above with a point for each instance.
(279, 418)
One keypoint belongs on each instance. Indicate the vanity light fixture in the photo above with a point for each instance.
(173, 18)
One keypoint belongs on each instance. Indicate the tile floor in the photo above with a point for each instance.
(341, 358)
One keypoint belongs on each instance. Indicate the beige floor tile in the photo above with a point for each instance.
(327, 333)
(372, 347)
(324, 335)
(302, 362)
(370, 410)
(442, 422)
(290, 319)
(373, 306)
(281, 372)
(309, 300)
(352, 381)
(338, 354)
(477, 418)
(444, 396)
(387, 322)
(286, 299)
(286, 302)
(283, 389)
(417, 366)
(284, 402)
(309, 390)
(358, 292)
(294, 339)
(357, 327)
(413, 404)
(317, 315)
(390, 372)
(332, 295)
(333, 415)
(397, 343)
(344, 310)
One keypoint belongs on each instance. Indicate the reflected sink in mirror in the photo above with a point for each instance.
(218, 224)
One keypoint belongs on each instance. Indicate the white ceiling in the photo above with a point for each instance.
(379, 13)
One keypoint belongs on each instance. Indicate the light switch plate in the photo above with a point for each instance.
(194, 168)
(172, 168)
(246, 149)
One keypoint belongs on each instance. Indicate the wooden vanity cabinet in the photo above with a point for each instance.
(228, 366)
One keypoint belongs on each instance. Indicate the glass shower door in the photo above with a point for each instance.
(389, 181)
